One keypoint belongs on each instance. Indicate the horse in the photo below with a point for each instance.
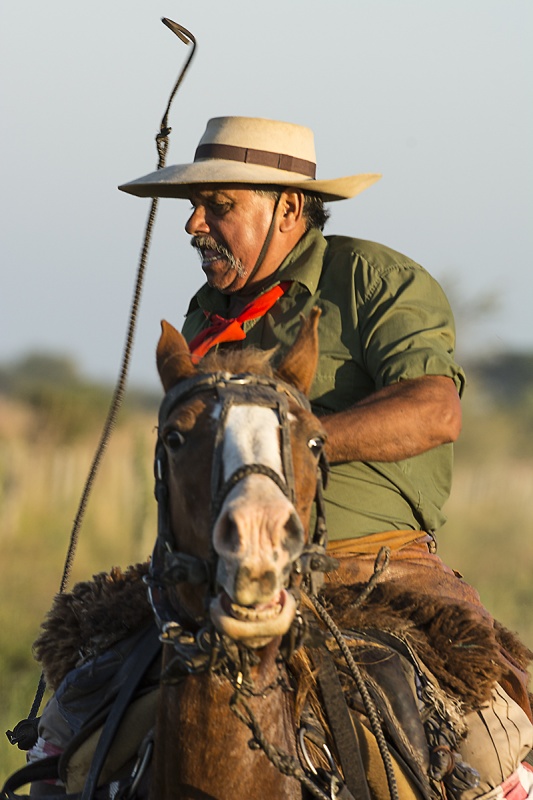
(240, 461)
(266, 690)
(245, 531)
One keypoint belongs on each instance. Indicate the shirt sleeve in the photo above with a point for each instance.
(406, 325)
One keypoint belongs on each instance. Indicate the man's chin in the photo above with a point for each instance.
(226, 282)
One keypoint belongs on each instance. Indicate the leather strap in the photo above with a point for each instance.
(263, 158)
(340, 723)
(43, 769)
(373, 542)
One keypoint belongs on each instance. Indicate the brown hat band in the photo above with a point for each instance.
(264, 158)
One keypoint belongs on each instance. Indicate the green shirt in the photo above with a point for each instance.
(384, 319)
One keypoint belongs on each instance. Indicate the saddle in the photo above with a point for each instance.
(109, 743)
(418, 594)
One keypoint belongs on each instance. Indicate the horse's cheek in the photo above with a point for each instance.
(190, 505)
(305, 478)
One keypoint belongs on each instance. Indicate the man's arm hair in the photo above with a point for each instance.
(398, 421)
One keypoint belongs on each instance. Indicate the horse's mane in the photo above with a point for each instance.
(251, 359)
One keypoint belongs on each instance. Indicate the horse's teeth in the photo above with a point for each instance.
(253, 614)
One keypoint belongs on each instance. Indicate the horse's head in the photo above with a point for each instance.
(238, 458)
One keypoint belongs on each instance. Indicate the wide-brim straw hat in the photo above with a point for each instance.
(248, 150)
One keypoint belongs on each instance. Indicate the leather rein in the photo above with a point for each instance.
(170, 566)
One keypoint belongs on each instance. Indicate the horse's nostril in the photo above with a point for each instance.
(229, 535)
(294, 539)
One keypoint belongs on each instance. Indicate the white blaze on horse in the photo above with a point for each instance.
(257, 534)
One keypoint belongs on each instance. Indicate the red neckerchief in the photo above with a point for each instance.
(230, 330)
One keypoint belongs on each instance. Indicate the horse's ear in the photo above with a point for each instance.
(174, 360)
(299, 365)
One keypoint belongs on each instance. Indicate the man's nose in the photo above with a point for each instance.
(197, 222)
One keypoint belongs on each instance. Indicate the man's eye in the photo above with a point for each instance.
(219, 209)
(174, 440)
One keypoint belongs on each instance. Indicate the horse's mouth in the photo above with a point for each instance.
(255, 613)
(253, 625)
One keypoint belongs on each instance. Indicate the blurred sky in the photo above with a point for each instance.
(436, 96)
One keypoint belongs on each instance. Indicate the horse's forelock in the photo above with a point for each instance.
(253, 360)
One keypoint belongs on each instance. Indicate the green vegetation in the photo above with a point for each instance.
(50, 421)
(66, 406)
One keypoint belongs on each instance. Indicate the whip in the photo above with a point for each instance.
(24, 735)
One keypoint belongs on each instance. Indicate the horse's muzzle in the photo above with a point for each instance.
(257, 537)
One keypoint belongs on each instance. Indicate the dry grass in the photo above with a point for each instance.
(40, 487)
(488, 537)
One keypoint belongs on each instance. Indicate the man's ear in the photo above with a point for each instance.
(291, 210)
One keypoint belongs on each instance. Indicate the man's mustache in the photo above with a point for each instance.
(208, 243)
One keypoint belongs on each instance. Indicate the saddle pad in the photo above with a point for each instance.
(138, 720)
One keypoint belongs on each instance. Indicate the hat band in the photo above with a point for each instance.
(263, 158)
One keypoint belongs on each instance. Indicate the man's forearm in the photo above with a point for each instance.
(396, 422)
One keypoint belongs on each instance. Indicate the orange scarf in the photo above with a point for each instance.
(231, 330)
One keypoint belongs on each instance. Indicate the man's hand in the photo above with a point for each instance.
(396, 422)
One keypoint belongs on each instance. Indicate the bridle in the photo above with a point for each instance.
(193, 639)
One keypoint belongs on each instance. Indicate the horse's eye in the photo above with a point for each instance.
(174, 439)
(315, 445)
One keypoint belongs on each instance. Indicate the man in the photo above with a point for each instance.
(387, 386)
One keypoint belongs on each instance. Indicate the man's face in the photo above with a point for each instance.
(229, 225)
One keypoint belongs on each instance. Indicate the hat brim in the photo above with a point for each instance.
(175, 181)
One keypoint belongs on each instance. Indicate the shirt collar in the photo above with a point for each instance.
(303, 265)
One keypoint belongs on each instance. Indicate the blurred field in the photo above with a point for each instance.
(44, 458)
(41, 480)
(489, 533)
